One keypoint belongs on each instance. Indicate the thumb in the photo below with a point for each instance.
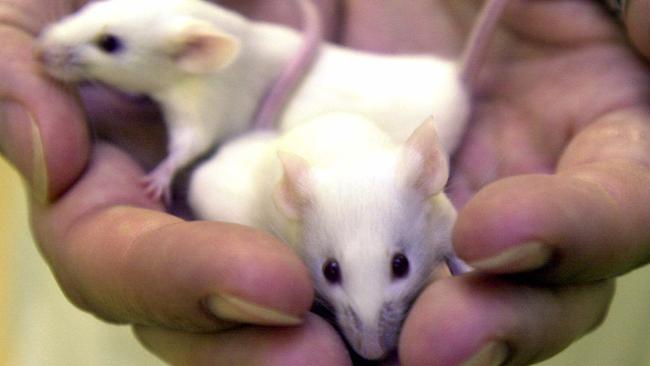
(42, 128)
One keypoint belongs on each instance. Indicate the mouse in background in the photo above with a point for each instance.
(397, 91)
(207, 67)
(367, 216)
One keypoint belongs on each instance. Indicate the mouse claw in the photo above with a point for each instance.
(157, 184)
(157, 187)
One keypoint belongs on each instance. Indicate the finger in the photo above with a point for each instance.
(142, 266)
(313, 343)
(635, 15)
(478, 320)
(587, 222)
(42, 128)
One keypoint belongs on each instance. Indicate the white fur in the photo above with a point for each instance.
(395, 91)
(199, 108)
(361, 211)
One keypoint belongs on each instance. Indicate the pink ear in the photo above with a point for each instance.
(291, 196)
(425, 161)
(198, 48)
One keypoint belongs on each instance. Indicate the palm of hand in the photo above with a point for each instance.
(554, 78)
(553, 82)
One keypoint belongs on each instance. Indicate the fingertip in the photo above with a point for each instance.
(115, 254)
(42, 126)
(520, 258)
(314, 342)
(231, 308)
(560, 228)
(50, 151)
(256, 269)
(171, 273)
(21, 143)
(482, 320)
(500, 228)
(459, 332)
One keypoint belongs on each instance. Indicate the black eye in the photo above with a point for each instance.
(331, 271)
(400, 265)
(109, 43)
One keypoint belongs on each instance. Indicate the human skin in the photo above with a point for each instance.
(553, 172)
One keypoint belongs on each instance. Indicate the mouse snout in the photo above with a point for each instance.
(52, 56)
(371, 349)
(60, 61)
(364, 335)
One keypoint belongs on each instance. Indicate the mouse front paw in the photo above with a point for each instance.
(157, 185)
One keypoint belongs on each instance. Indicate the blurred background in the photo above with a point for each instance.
(38, 327)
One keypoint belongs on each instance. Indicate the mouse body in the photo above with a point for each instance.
(207, 67)
(356, 188)
(390, 90)
(367, 215)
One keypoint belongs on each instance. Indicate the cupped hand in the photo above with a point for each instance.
(552, 180)
(560, 110)
(195, 292)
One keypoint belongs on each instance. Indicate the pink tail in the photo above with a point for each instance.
(482, 32)
(280, 91)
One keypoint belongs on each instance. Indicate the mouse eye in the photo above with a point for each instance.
(109, 43)
(332, 271)
(400, 265)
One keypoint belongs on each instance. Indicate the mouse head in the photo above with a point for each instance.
(137, 46)
(373, 230)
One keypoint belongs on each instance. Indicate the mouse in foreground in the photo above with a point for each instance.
(210, 70)
(367, 216)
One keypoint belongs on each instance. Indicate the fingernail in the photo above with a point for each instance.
(234, 309)
(492, 354)
(525, 257)
(21, 143)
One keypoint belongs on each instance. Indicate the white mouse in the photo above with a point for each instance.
(396, 91)
(357, 198)
(210, 68)
(368, 216)
(207, 67)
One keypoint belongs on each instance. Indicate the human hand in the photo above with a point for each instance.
(515, 133)
(186, 287)
(553, 181)
(77, 220)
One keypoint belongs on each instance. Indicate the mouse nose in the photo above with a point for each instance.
(371, 349)
(53, 55)
(59, 61)
(364, 336)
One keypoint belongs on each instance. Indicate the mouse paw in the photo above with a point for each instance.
(157, 185)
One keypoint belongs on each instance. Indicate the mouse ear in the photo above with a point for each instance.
(425, 161)
(199, 48)
(292, 196)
